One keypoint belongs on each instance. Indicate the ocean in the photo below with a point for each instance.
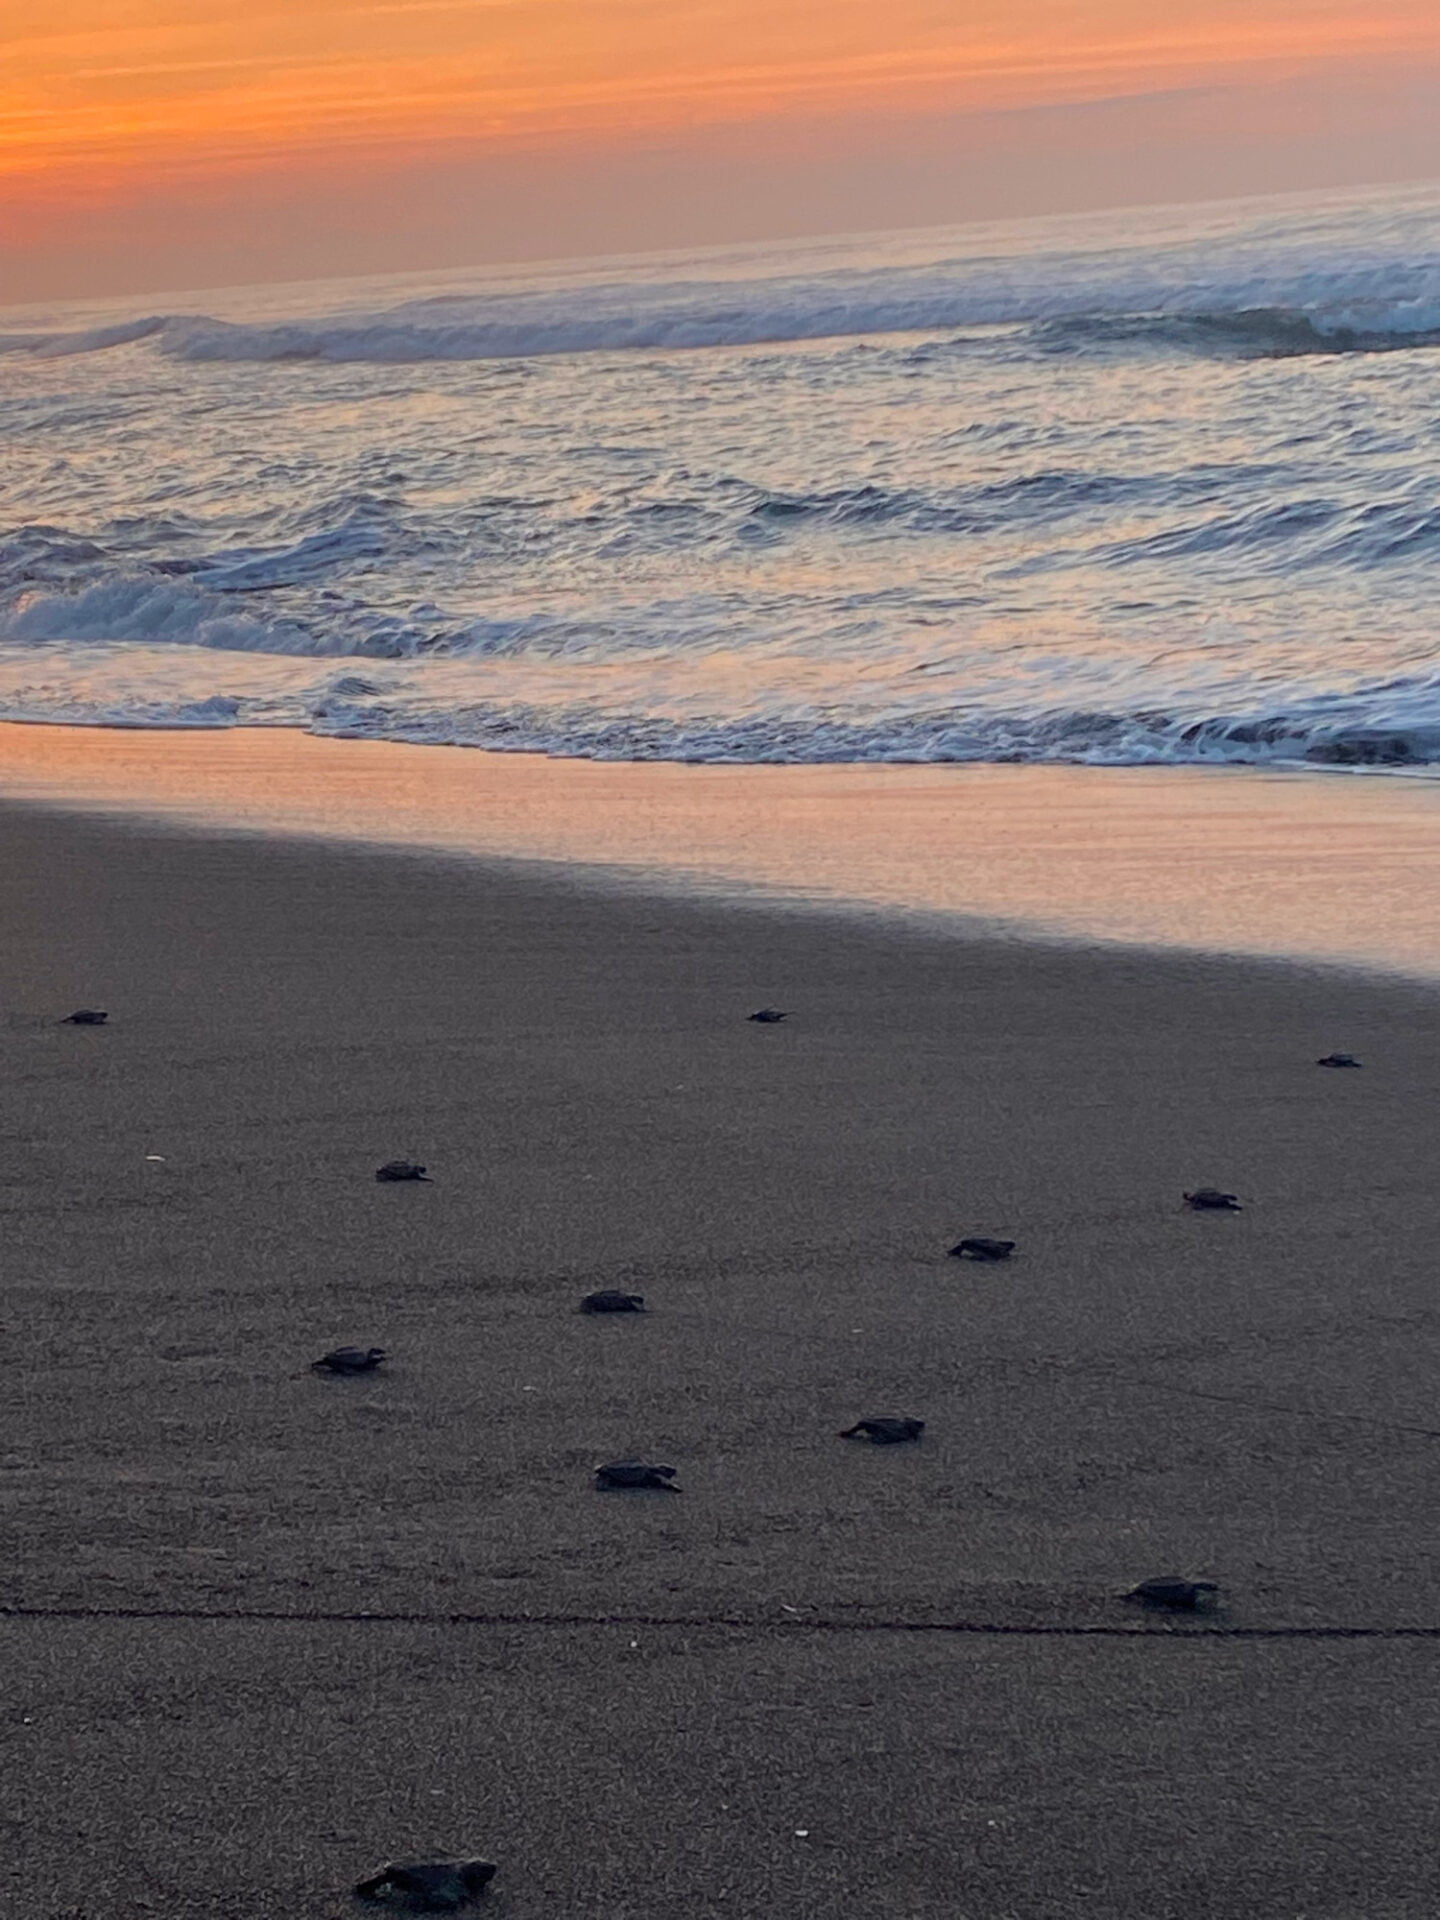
(1140, 487)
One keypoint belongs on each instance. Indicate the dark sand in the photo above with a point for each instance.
(829, 1680)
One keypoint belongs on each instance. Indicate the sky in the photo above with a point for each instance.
(179, 144)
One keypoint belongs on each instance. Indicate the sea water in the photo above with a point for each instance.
(1148, 486)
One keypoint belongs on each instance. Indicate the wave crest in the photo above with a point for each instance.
(1263, 332)
(1335, 289)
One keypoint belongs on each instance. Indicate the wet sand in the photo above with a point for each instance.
(1227, 859)
(263, 1629)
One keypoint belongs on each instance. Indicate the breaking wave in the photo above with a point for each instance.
(1119, 495)
(401, 339)
(60, 346)
(1259, 284)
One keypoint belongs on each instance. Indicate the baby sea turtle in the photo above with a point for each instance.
(608, 1301)
(979, 1248)
(349, 1360)
(636, 1473)
(401, 1170)
(85, 1017)
(1177, 1596)
(1211, 1200)
(884, 1431)
(767, 1016)
(1338, 1060)
(427, 1886)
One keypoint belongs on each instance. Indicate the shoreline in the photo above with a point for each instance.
(191, 1216)
(1220, 860)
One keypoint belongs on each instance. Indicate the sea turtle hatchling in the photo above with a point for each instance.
(607, 1300)
(349, 1360)
(768, 1016)
(884, 1431)
(977, 1247)
(1338, 1060)
(400, 1170)
(636, 1473)
(1211, 1200)
(85, 1017)
(1176, 1596)
(427, 1886)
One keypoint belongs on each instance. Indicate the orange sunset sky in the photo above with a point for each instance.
(184, 143)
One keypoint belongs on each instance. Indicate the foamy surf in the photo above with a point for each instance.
(1121, 490)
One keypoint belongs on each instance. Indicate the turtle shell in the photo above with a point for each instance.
(349, 1360)
(884, 1430)
(1177, 1596)
(635, 1473)
(427, 1886)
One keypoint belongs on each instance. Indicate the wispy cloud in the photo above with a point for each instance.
(93, 91)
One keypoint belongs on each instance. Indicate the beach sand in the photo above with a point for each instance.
(263, 1629)
(1224, 859)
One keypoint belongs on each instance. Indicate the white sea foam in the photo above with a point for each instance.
(1111, 490)
(152, 610)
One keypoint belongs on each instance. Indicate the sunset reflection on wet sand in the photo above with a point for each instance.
(1321, 867)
